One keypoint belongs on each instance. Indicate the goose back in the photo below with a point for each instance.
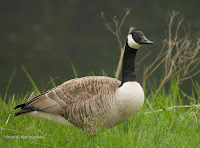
(77, 100)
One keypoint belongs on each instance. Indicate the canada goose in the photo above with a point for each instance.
(83, 102)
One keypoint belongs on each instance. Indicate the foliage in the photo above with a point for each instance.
(163, 121)
(9, 82)
(31, 80)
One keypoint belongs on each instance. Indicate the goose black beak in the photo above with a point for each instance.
(144, 40)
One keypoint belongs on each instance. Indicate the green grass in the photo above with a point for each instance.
(176, 127)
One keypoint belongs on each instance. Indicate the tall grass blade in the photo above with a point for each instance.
(9, 82)
(74, 71)
(31, 80)
(103, 73)
(91, 74)
(191, 99)
(196, 91)
(175, 89)
(115, 75)
(52, 81)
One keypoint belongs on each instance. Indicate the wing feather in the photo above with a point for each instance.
(75, 99)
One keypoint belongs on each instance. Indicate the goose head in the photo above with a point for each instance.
(136, 39)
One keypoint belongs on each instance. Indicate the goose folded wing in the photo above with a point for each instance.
(69, 96)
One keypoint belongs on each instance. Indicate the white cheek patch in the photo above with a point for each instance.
(132, 43)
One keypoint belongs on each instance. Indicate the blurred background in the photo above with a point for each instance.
(47, 37)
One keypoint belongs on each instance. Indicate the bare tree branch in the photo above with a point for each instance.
(178, 54)
(172, 107)
(116, 32)
(119, 67)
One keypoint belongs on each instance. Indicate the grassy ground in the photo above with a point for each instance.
(178, 126)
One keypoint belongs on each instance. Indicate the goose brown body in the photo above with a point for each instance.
(77, 100)
(85, 100)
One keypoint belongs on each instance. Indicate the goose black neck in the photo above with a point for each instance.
(128, 69)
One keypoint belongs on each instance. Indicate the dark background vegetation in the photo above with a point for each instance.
(47, 37)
